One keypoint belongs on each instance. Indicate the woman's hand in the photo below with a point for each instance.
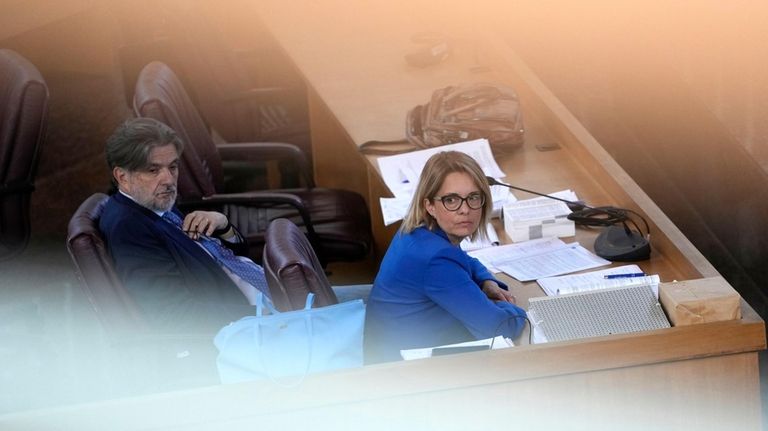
(199, 223)
(496, 293)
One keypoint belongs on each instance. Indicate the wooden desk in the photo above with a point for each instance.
(360, 88)
(698, 377)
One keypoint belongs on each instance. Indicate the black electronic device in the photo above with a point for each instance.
(616, 242)
(621, 244)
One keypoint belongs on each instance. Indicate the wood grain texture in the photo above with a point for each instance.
(363, 88)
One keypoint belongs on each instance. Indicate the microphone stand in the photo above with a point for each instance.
(615, 243)
(572, 205)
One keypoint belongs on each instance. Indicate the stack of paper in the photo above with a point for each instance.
(534, 219)
(622, 276)
(539, 218)
(531, 260)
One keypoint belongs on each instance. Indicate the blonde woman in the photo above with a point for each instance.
(428, 291)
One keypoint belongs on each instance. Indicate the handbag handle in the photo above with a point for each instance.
(261, 302)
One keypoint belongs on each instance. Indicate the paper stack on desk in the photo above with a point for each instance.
(539, 218)
(531, 260)
(619, 276)
(401, 172)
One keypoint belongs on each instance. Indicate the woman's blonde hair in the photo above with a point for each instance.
(435, 171)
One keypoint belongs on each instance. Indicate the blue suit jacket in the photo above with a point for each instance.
(428, 293)
(177, 284)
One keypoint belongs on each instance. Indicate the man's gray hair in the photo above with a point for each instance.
(130, 144)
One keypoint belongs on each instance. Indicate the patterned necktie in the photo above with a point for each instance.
(248, 271)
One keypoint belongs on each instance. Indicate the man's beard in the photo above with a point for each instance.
(158, 204)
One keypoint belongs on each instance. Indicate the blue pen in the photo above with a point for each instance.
(635, 274)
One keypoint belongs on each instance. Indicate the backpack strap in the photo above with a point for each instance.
(387, 148)
(414, 137)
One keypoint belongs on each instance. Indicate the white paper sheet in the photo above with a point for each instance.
(394, 209)
(401, 172)
(534, 209)
(509, 252)
(501, 196)
(493, 240)
(594, 280)
(571, 258)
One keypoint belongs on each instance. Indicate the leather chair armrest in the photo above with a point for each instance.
(256, 199)
(267, 151)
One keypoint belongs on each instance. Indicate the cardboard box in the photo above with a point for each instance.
(700, 301)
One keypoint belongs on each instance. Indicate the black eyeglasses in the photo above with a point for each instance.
(453, 202)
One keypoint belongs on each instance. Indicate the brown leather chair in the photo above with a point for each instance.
(114, 307)
(336, 221)
(292, 268)
(142, 359)
(23, 110)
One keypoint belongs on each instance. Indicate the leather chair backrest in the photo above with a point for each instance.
(23, 110)
(160, 95)
(94, 266)
(292, 268)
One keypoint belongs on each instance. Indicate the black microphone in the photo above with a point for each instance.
(572, 205)
(615, 243)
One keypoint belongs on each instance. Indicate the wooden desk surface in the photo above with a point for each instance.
(361, 87)
(700, 377)
(352, 59)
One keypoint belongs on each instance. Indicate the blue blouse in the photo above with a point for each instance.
(428, 293)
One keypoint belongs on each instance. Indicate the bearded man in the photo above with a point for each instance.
(184, 272)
